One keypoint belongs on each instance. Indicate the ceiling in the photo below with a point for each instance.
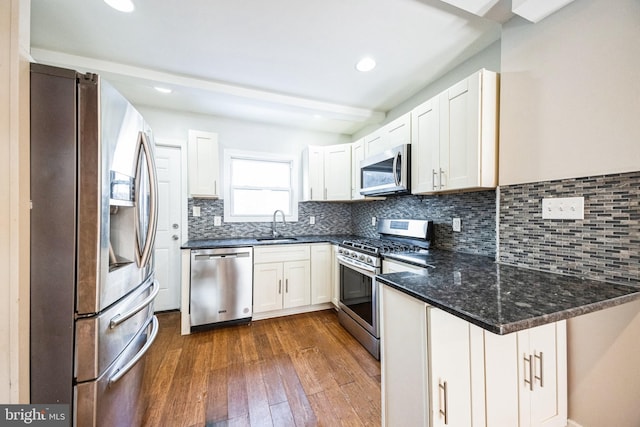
(288, 62)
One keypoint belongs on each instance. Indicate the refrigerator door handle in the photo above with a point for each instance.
(120, 318)
(135, 359)
(143, 255)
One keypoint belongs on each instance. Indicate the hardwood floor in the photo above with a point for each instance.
(302, 370)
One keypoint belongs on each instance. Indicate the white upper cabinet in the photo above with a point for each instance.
(390, 135)
(398, 132)
(327, 172)
(337, 172)
(204, 164)
(425, 149)
(357, 155)
(455, 137)
(314, 165)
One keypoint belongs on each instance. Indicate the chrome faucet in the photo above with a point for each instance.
(273, 224)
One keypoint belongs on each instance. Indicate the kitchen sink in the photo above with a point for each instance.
(276, 239)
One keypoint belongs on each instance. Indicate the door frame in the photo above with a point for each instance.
(182, 145)
(184, 232)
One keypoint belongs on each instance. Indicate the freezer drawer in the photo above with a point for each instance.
(221, 285)
(100, 339)
(115, 398)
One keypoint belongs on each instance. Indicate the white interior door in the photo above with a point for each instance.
(168, 240)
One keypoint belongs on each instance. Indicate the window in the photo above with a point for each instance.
(258, 184)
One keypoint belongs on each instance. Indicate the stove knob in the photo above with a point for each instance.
(361, 257)
(369, 260)
(340, 251)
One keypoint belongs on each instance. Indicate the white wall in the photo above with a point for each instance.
(237, 134)
(570, 93)
(604, 377)
(570, 107)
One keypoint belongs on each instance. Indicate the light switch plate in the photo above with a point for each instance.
(312, 220)
(217, 221)
(457, 225)
(373, 220)
(563, 208)
(196, 211)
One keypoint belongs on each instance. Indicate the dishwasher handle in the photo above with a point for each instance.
(223, 255)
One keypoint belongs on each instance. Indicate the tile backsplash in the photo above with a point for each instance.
(476, 210)
(603, 246)
(331, 218)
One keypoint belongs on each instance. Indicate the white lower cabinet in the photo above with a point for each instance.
(547, 386)
(321, 273)
(455, 370)
(279, 285)
(440, 370)
(281, 277)
(528, 372)
(335, 276)
(403, 359)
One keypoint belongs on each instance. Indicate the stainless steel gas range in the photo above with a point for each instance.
(360, 261)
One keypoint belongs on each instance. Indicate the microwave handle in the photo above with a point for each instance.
(396, 177)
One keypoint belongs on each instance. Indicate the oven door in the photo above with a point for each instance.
(359, 294)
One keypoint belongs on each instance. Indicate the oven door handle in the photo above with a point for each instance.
(366, 270)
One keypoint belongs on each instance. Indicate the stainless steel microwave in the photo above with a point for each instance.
(387, 172)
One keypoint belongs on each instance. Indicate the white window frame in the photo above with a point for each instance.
(259, 156)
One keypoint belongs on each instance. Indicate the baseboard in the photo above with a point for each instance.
(571, 423)
(291, 311)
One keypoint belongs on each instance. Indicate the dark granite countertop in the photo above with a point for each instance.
(502, 298)
(258, 241)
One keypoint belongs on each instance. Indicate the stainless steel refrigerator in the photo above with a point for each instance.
(93, 223)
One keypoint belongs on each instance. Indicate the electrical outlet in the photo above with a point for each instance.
(457, 225)
(563, 208)
(312, 220)
(217, 221)
(196, 211)
(373, 220)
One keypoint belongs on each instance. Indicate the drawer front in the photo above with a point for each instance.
(281, 253)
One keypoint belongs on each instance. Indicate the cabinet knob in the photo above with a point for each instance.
(175, 226)
(175, 237)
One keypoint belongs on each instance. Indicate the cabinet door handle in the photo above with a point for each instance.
(441, 179)
(444, 405)
(433, 179)
(280, 286)
(325, 194)
(286, 284)
(310, 193)
(540, 360)
(527, 360)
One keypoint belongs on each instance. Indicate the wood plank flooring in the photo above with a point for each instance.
(302, 370)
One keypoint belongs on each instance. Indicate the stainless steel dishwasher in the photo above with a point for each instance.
(221, 285)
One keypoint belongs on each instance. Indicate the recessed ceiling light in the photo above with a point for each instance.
(162, 89)
(366, 64)
(121, 5)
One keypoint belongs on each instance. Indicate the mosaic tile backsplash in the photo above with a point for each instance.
(603, 246)
(476, 210)
(331, 218)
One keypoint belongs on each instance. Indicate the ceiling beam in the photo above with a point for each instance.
(175, 81)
